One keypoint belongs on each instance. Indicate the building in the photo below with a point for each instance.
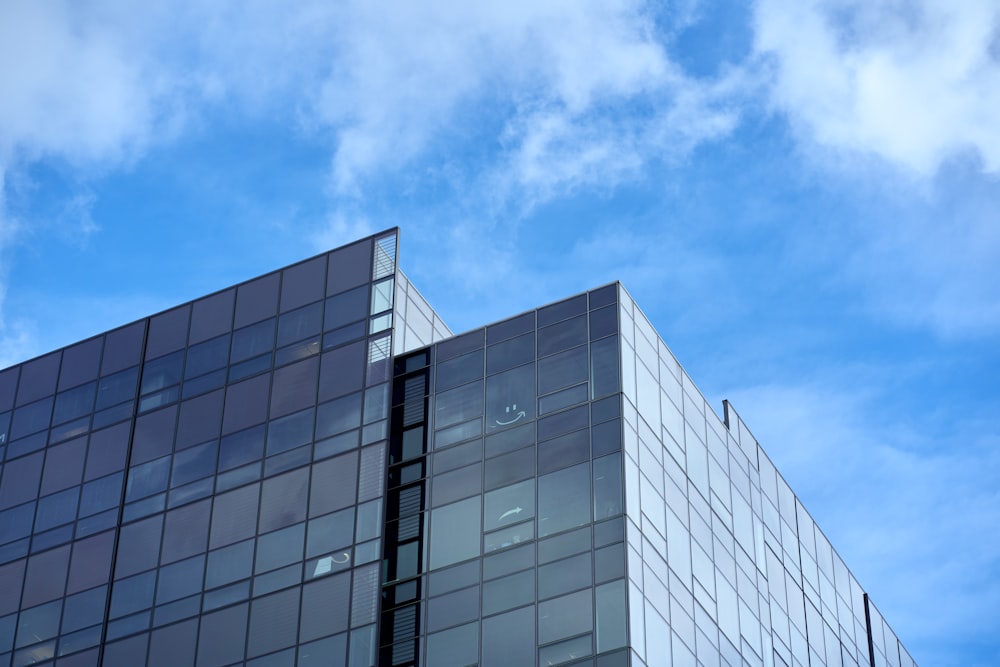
(310, 469)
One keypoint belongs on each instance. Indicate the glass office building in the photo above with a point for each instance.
(310, 469)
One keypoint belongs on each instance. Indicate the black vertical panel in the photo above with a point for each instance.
(868, 629)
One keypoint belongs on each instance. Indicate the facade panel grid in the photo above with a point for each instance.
(309, 469)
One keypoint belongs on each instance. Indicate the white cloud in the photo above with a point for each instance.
(554, 81)
(914, 83)
(72, 88)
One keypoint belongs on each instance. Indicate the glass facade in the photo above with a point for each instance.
(309, 469)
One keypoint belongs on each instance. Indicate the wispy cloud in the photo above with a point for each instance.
(552, 80)
(914, 83)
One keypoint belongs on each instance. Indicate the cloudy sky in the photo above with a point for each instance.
(803, 196)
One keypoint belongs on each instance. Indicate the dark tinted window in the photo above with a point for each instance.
(256, 300)
(38, 378)
(80, 364)
(122, 348)
(212, 316)
(303, 283)
(167, 332)
(349, 267)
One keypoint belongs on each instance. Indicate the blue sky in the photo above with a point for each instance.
(804, 197)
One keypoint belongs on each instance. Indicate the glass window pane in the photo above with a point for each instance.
(603, 322)
(222, 637)
(56, 510)
(20, 480)
(509, 592)
(325, 606)
(107, 450)
(460, 370)
(563, 422)
(45, 576)
(453, 608)
(173, 645)
(84, 609)
(256, 300)
(252, 341)
(335, 484)
(565, 616)
(38, 378)
(194, 463)
(208, 356)
(607, 487)
(510, 328)
(290, 432)
(303, 283)
(279, 548)
(294, 387)
(562, 310)
(122, 348)
(509, 505)
(163, 372)
(91, 562)
(342, 371)
(564, 499)
(457, 647)
(604, 358)
(180, 579)
(242, 447)
(80, 364)
(510, 353)
(338, 416)
(564, 576)
(300, 324)
(235, 515)
(31, 418)
(273, 622)
(200, 419)
(510, 398)
(330, 532)
(246, 404)
(186, 531)
(346, 307)
(562, 370)
(147, 478)
(382, 295)
(563, 399)
(563, 451)
(212, 316)
(154, 435)
(562, 336)
(229, 564)
(74, 403)
(457, 484)
(566, 651)
(116, 388)
(283, 499)
(455, 531)
(349, 266)
(459, 405)
(509, 639)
